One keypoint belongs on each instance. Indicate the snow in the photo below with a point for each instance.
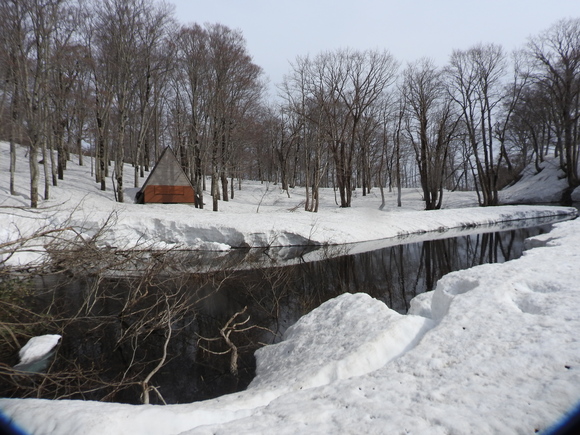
(330, 335)
(493, 349)
(545, 186)
(35, 354)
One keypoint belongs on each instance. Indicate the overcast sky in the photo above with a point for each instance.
(276, 31)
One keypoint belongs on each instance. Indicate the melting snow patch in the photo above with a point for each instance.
(348, 336)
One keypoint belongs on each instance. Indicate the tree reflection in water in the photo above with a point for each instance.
(397, 274)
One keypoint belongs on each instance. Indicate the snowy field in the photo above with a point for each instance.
(493, 349)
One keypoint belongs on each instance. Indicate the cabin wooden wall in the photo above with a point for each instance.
(168, 194)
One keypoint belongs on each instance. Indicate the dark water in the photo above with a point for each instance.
(115, 329)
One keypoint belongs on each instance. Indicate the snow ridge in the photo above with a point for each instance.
(319, 349)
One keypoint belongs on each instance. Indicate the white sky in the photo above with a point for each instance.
(277, 31)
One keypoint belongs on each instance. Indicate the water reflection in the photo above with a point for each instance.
(396, 274)
(281, 256)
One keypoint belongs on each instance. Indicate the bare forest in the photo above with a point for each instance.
(114, 82)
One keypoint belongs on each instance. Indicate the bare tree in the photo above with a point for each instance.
(555, 54)
(232, 325)
(154, 60)
(513, 94)
(300, 105)
(476, 87)
(192, 76)
(350, 83)
(12, 41)
(336, 93)
(120, 21)
(430, 126)
(385, 117)
(532, 125)
(102, 77)
(125, 44)
(33, 23)
(233, 88)
(66, 65)
(81, 106)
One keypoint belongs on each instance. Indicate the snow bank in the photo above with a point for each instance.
(546, 186)
(576, 195)
(325, 345)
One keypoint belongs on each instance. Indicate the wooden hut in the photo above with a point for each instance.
(166, 183)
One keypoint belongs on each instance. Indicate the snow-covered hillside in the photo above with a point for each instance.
(546, 186)
(493, 349)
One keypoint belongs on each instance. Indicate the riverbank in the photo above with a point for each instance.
(260, 215)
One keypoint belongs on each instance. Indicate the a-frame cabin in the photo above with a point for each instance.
(166, 183)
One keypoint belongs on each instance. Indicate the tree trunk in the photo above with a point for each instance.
(33, 164)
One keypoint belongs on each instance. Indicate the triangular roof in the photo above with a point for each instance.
(167, 172)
